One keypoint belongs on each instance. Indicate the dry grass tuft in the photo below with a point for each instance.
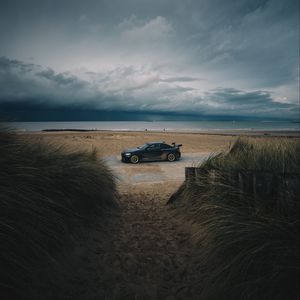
(46, 195)
(279, 155)
(247, 249)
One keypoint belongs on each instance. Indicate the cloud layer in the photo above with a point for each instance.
(207, 57)
(129, 89)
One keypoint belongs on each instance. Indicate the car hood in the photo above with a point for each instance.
(130, 150)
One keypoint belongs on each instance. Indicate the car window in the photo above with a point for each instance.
(154, 147)
(165, 146)
(143, 147)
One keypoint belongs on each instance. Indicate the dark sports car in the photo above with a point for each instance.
(152, 152)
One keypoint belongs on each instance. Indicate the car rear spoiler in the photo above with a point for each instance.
(176, 145)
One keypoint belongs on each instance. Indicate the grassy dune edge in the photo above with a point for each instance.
(47, 194)
(245, 247)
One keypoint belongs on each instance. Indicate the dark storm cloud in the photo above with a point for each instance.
(206, 56)
(21, 80)
(114, 89)
(256, 103)
(8, 65)
(61, 78)
(234, 96)
(29, 86)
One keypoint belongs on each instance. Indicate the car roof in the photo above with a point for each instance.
(160, 142)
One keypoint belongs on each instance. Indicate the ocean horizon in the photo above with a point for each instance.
(177, 126)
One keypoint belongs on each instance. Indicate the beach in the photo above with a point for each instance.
(109, 145)
(149, 150)
(144, 249)
(113, 142)
(163, 176)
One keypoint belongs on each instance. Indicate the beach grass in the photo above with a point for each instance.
(279, 155)
(246, 248)
(46, 195)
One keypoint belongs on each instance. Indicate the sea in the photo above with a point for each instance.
(177, 126)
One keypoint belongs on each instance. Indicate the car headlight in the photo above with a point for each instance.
(127, 154)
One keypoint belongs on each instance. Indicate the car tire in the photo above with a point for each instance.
(171, 157)
(134, 159)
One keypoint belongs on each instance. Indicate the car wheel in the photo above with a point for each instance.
(171, 157)
(134, 159)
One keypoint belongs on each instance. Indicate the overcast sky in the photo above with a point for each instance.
(201, 57)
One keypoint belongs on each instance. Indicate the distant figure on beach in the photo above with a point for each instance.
(146, 129)
(164, 129)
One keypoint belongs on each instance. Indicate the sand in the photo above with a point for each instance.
(145, 255)
(113, 142)
(159, 176)
(163, 176)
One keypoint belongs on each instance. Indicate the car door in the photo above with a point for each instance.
(164, 151)
(153, 152)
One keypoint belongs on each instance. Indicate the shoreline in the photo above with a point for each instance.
(234, 132)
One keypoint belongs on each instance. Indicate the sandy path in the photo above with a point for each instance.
(145, 255)
(154, 248)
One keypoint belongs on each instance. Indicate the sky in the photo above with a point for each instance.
(117, 59)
